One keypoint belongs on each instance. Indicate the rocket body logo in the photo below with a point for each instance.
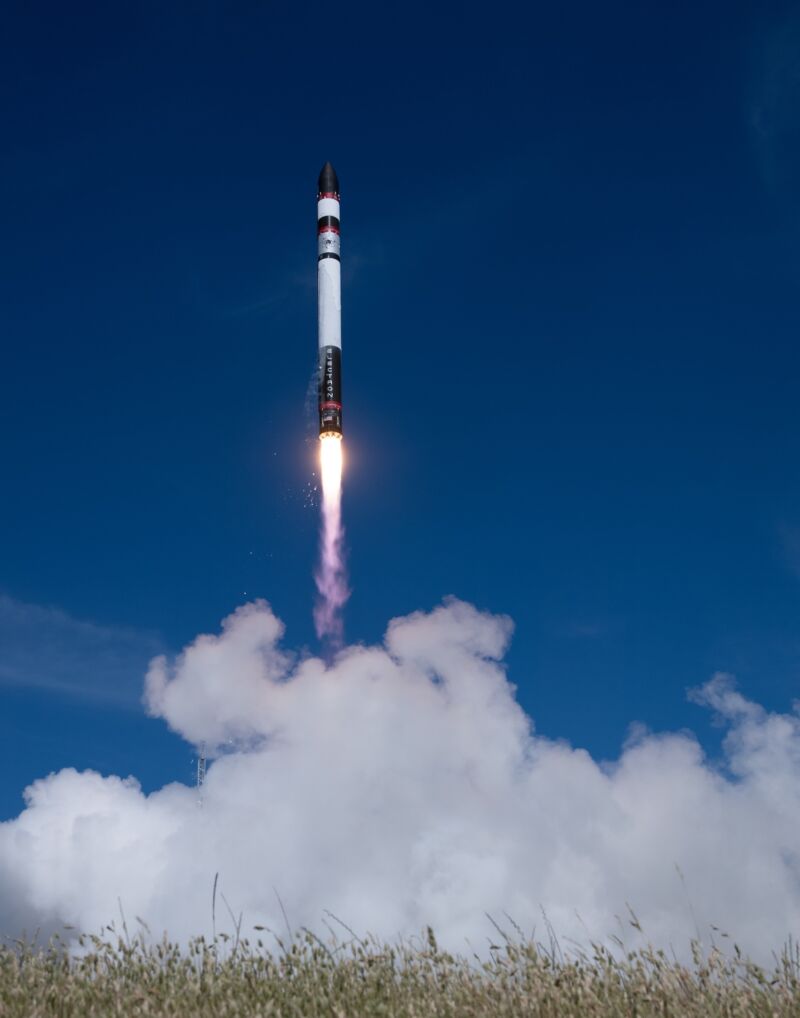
(330, 390)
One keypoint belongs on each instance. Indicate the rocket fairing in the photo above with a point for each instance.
(329, 304)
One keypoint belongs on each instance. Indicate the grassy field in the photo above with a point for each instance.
(307, 977)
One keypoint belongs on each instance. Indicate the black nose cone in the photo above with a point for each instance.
(328, 181)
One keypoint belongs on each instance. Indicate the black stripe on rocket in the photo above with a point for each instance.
(327, 223)
(330, 390)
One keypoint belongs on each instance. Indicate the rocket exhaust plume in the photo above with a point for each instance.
(331, 576)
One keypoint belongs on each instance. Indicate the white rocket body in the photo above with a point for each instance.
(329, 279)
(329, 304)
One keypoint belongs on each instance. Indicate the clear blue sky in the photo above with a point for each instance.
(570, 257)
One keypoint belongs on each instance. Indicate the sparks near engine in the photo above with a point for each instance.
(329, 306)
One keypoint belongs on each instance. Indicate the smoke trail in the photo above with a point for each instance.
(331, 575)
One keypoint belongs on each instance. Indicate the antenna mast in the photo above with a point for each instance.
(201, 773)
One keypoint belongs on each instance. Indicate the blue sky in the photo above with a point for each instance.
(570, 258)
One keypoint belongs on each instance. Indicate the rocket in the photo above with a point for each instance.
(329, 304)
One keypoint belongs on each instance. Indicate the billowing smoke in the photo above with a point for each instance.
(403, 785)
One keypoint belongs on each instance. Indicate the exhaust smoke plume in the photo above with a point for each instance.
(402, 785)
(331, 575)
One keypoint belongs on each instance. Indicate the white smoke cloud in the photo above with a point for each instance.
(403, 786)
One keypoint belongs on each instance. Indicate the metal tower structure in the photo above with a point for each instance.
(201, 774)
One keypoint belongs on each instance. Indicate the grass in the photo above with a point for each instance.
(308, 977)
